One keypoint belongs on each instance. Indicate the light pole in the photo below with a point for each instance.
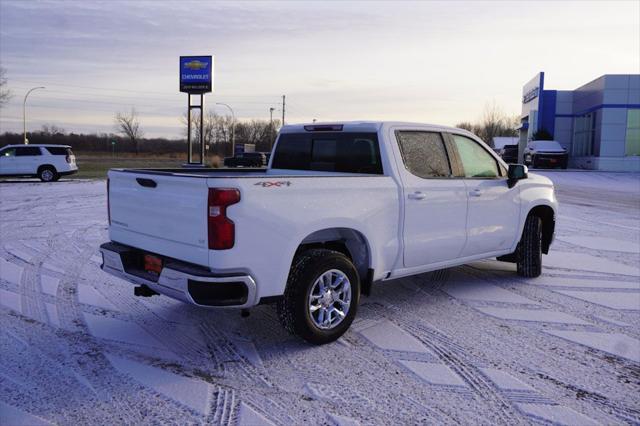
(271, 128)
(233, 129)
(24, 113)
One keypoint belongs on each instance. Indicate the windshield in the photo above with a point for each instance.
(546, 146)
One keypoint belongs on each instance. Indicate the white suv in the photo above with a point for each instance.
(48, 162)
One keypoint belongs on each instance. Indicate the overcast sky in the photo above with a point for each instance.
(435, 62)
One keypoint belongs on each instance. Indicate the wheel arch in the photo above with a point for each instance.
(548, 216)
(348, 241)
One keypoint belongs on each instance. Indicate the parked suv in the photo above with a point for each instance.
(509, 154)
(47, 162)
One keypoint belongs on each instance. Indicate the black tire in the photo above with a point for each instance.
(534, 163)
(47, 174)
(529, 252)
(293, 308)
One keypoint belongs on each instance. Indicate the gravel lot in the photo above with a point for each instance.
(474, 344)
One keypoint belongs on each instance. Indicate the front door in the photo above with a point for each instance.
(494, 208)
(435, 203)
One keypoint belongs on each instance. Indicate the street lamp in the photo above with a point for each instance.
(24, 113)
(233, 129)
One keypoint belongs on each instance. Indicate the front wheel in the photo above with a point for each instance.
(321, 297)
(529, 251)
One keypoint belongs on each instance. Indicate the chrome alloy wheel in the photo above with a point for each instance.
(330, 299)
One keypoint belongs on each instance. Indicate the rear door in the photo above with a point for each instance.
(435, 203)
(28, 159)
(494, 208)
(164, 214)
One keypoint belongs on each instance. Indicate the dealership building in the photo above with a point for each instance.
(598, 123)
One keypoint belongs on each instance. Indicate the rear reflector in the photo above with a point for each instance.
(324, 128)
(152, 264)
(222, 230)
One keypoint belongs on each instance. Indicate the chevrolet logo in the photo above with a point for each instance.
(196, 65)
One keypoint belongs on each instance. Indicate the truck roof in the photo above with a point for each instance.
(365, 126)
(36, 145)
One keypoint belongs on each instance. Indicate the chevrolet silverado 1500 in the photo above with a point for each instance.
(340, 206)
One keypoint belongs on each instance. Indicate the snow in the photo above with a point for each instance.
(476, 290)
(556, 414)
(10, 272)
(434, 373)
(504, 380)
(192, 393)
(474, 344)
(386, 335)
(618, 300)
(613, 343)
(588, 262)
(247, 416)
(603, 243)
(11, 416)
(538, 315)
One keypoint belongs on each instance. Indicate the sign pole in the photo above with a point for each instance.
(189, 150)
(202, 128)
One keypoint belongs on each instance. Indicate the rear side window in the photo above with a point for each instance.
(9, 152)
(27, 151)
(476, 161)
(58, 150)
(424, 154)
(343, 152)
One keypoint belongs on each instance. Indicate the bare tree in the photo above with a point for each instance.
(5, 94)
(51, 130)
(128, 124)
(493, 122)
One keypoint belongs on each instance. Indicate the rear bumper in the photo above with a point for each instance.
(186, 282)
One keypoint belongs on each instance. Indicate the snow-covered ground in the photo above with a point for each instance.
(473, 345)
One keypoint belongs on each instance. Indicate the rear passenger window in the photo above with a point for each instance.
(424, 154)
(343, 152)
(9, 152)
(476, 161)
(27, 151)
(57, 150)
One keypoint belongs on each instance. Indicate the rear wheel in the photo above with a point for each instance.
(48, 174)
(529, 251)
(321, 297)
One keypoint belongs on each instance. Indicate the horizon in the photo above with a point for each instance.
(432, 62)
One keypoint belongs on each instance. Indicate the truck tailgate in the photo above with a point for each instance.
(164, 214)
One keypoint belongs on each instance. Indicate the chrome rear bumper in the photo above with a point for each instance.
(185, 282)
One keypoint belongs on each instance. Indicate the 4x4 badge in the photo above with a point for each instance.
(277, 184)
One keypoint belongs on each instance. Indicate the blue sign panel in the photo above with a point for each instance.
(196, 74)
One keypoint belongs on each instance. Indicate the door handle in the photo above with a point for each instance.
(417, 196)
(475, 193)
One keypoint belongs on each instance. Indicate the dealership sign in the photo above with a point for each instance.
(531, 95)
(196, 74)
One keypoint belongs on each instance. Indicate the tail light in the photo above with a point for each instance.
(68, 158)
(108, 204)
(222, 230)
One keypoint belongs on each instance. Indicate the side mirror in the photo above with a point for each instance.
(515, 173)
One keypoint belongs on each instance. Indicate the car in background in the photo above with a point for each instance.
(509, 154)
(545, 154)
(246, 159)
(47, 162)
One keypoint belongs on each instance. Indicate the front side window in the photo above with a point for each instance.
(9, 152)
(476, 161)
(424, 154)
(344, 152)
(28, 151)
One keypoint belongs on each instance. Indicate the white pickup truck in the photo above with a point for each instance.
(339, 207)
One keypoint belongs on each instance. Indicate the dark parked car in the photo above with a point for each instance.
(246, 159)
(545, 154)
(509, 154)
